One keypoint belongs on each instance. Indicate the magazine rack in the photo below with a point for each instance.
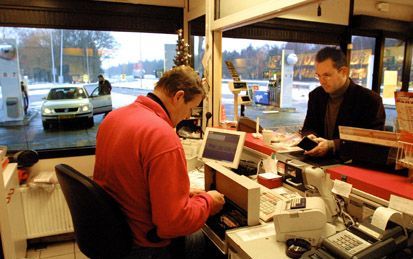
(405, 153)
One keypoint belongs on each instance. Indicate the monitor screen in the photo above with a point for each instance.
(222, 146)
(240, 85)
(245, 98)
(237, 86)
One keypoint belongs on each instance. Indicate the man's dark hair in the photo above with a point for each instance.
(336, 55)
(100, 76)
(181, 78)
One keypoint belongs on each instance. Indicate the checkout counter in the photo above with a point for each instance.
(369, 190)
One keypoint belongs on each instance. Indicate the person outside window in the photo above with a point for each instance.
(140, 161)
(25, 96)
(105, 87)
(338, 101)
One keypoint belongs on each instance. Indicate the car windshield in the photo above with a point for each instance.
(66, 93)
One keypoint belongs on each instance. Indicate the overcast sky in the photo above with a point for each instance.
(134, 47)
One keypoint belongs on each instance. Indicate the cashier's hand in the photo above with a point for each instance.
(321, 149)
(217, 202)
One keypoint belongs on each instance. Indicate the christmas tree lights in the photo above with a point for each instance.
(182, 56)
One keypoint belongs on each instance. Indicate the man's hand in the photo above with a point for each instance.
(217, 201)
(321, 149)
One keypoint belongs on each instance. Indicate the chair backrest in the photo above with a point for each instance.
(101, 229)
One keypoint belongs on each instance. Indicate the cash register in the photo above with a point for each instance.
(308, 176)
(360, 240)
(221, 152)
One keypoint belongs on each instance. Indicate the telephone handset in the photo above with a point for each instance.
(362, 241)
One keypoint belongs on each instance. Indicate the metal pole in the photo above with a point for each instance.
(52, 50)
(18, 59)
(87, 63)
(61, 57)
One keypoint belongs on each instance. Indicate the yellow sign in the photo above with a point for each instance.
(390, 83)
(390, 77)
(77, 52)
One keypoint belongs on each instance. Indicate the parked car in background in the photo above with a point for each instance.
(101, 103)
(73, 103)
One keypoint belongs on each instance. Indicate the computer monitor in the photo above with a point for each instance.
(222, 146)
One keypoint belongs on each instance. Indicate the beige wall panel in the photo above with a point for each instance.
(196, 8)
(173, 3)
(195, 4)
(228, 7)
(332, 11)
(398, 10)
(258, 12)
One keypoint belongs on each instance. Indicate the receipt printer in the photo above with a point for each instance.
(307, 222)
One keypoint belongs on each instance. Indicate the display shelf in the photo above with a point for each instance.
(405, 157)
(405, 154)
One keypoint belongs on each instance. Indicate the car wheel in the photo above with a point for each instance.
(46, 125)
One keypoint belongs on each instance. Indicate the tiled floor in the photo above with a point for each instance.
(65, 250)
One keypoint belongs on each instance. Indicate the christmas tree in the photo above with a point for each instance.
(182, 56)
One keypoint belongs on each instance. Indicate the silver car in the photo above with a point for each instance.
(72, 102)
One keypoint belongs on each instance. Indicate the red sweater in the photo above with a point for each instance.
(141, 163)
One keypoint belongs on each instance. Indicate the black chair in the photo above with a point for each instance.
(101, 229)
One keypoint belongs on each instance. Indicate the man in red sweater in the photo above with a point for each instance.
(141, 163)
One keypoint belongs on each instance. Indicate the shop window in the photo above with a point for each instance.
(264, 65)
(362, 60)
(46, 58)
(198, 51)
(259, 63)
(392, 69)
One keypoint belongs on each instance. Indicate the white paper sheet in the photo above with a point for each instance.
(257, 233)
(382, 215)
(401, 204)
(342, 188)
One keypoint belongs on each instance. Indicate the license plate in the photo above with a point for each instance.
(65, 117)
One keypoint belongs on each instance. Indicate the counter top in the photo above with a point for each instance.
(380, 184)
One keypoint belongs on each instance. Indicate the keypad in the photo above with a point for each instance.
(268, 201)
(349, 242)
(297, 203)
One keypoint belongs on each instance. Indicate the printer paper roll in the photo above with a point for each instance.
(382, 215)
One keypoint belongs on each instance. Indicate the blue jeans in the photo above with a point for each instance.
(189, 247)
